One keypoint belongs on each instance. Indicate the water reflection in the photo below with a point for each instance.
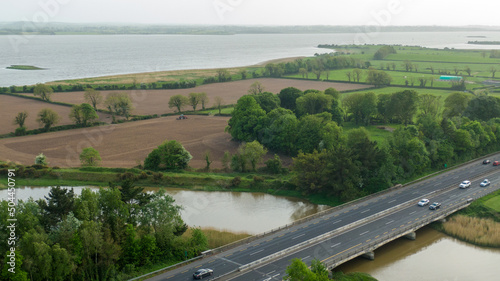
(235, 211)
(432, 256)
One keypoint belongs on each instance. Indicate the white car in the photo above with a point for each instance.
(423, 202)
(486, 182)
(465, 184)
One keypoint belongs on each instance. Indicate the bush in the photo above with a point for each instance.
(41, 159)
(21, 131)
(235, 181)
(170, 155)
(274, 166)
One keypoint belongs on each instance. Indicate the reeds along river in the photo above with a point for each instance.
(80, 56)
(432, 256)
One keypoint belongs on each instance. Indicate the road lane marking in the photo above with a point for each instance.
(211, 261)
(413, 212)
(389, 222)
(184, 271)
(275, 275)
(304, 258)
(270, 272)
(170, 277)
(198, 266)
(365, 211)
(394, 229)
(298, 236)
(337, 222)
(342, 252)
(386, 232)
(256, 252)
(364, 233)
(377, 236)
(335, 245)
(391, 201)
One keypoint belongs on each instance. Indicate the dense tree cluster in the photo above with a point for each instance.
(348, 164)
(97, 235)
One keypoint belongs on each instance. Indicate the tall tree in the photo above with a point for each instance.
(256, 88)
(178, 101)
(267, 101)
(90, 157)
(253, 152)
(170, 155)
(430, 104)
(48, 117)
(483, 108)
(21, 118)
(288, 96)
(219, 102)
(120, 104)
(83, 114)
(194, 100)
(455, 104)
(404, 106)
(247, 119)
(43, 91)
(93, 97)
(313, 103)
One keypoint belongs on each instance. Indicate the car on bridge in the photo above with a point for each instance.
(435, 206)
(486, 162)
(465, 184)
(423, 202)
(496, 163)
(203, 272)
(484, 183)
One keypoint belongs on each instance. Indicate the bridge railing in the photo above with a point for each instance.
(376, 243)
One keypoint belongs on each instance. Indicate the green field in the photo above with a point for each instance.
(493, 203)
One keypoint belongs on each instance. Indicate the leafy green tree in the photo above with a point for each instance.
(90, 157)
(409, 152)
(288, 96)
(178, 101)
(194, 100)
(313, 103)
(19, 275)
(253, 152)
(357, 74)
(280, 133)
(203, 99)
(83, 114)
(483, 108)
(361, 106)
(223, 75)
(119, 104)
(298, 271)
(62, 264)
(455, 104)
(198, 241)
(378, 78)
(93, 97)
(333, 92)
(170, 155)
(311, 130)
(161, 213)
(267, 101)
(37, 257)
(56, 206)
(20, 118)
(247, 119)
(130, 247)
(430, 105)
(113, 213)
(43, 91)
(41, 159)
(403, 106)
(48, 117)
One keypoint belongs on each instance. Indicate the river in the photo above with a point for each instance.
(80, 56)
(432, 256)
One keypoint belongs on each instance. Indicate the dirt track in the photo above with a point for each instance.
(156, 101)
(125, 145)
(10, 106)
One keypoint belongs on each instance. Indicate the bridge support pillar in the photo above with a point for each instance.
(369, 255)
(411, 236)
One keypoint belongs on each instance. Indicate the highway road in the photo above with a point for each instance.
(403, 210)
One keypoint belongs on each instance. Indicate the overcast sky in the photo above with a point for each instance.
(256, 12)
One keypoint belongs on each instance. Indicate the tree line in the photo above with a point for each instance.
(98, 235)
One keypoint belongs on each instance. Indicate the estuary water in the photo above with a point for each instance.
(81, 56)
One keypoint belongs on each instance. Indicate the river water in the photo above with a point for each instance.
(80, 56)
(432, 256)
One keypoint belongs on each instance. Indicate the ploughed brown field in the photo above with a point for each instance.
(10, 106)
(156, 101)
(125, 145)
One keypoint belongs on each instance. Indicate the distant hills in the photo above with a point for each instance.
(58, 28)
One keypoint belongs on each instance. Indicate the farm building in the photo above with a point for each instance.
(450, 78)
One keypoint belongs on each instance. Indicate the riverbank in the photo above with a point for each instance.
(478, 224)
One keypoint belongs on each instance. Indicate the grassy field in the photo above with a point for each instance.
(493, 203)
(217, 238)
(483, 232)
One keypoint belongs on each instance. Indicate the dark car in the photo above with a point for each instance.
(204, 272)
(486, 162)
(496, 163)
(435, 206)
